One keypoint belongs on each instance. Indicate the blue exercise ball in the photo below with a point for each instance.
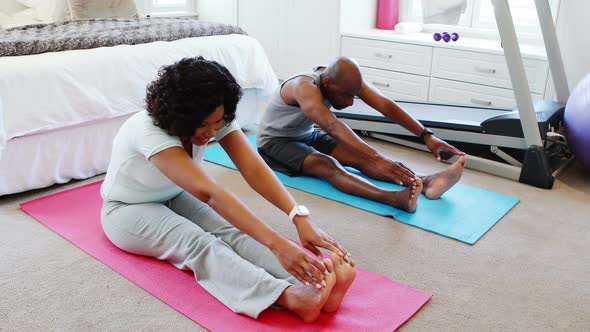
(577, 122)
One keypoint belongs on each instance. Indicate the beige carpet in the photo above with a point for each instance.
(530, 272)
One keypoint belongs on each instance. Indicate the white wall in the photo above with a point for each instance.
(224, 11)
(357, 15)
(573, 27)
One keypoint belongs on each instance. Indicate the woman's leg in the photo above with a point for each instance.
(201, 214)
(304, 301)
(154, 230)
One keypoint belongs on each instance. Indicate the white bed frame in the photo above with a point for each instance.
(43, 159)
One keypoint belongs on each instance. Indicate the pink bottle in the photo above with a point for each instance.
(387, 11)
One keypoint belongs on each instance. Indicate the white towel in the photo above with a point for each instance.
(443, 11)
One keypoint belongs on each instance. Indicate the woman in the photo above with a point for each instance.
(158, 202)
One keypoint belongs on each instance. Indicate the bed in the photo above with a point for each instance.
(59, 110)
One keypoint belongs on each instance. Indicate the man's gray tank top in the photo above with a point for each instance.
(282, 120)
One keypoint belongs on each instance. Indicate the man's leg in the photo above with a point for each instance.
(326, 167)
(433, 185)
(302, 157)
(437, 184)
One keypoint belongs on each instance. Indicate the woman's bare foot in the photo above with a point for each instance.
(345, 275)
(407, 199)
(307, 301)
(437, 184)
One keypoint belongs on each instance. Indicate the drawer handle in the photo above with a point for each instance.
(384, 85)
(485, 70)
(481, 102)
(381, 55)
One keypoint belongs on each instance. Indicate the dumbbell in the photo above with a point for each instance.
(445, 36)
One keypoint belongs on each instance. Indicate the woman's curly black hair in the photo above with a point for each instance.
(188, 91)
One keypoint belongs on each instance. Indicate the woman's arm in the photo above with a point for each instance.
(263, 180)
(179, 168)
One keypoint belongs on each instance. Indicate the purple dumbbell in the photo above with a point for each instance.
(446, 37)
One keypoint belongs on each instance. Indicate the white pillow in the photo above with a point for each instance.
(102, 9)
(3, 20)
(24, 17)
(46, 10)
(2, 131)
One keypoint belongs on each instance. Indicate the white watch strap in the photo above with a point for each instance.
(293, 212)
(298, 210)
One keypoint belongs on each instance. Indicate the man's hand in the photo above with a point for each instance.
(312, 237)
(306, 268)
(435, 145)
(394, 171)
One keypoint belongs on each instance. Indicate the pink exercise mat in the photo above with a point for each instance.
(373, 303)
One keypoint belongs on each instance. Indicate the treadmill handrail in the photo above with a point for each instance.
(553, 51)
(518, 77)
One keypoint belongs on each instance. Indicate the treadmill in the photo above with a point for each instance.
(510, 143)
(495, 135)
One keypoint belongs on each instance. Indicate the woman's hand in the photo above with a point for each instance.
(306, 268)
(312, 237)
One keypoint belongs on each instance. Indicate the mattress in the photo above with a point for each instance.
(44, 92)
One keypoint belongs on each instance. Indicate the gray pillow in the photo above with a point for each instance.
(101, 9)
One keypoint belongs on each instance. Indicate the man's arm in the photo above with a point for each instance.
(309, 98)
(391, 110)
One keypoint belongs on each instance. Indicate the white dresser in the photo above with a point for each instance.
(413, 67)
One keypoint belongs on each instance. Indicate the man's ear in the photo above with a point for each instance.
(326, 81)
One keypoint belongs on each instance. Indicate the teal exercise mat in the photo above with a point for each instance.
(463, 213)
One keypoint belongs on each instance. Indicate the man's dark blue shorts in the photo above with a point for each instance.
(286, 154)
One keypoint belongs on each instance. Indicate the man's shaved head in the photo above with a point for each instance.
(341, 81)
(345, 70)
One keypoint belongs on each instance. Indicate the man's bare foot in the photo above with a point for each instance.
(307, 301)
(437, 184)
(345, 275)
(407, 199)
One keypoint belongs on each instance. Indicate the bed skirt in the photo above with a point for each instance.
(81, 151)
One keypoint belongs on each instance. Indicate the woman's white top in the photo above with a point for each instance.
(131, 178)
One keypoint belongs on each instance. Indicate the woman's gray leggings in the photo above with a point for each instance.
(236, 269)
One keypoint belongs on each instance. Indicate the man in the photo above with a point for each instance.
(289, 143)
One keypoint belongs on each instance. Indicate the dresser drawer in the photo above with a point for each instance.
(459, 93)
(398, 86)
(485, 69)
(407, 58)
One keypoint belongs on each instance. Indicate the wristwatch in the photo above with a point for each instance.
(425, 132)
(298, 210)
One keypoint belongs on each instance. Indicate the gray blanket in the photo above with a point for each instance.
(92, 33)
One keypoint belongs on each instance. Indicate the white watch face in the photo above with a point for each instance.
(303, 210)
